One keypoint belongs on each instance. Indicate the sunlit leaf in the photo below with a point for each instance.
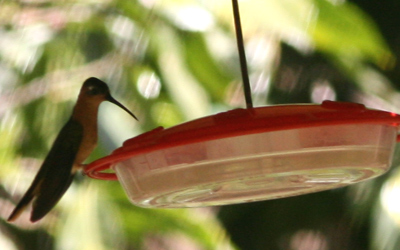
(345, 31)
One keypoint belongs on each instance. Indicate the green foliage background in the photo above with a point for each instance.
(168, 69)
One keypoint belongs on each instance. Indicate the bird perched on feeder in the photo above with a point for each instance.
(73, 145)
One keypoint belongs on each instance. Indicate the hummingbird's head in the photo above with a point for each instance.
(97, 91)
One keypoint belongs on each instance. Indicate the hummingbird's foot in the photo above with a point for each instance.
(83, 166)
(78, 167)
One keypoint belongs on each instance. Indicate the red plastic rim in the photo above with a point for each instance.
(240, 122)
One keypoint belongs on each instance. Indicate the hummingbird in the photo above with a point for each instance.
(73, 145)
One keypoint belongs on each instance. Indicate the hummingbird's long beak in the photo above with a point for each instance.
(112, 100)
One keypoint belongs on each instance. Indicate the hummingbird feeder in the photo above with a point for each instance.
(253, 154)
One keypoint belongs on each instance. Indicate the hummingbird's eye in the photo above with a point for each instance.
(92, 90)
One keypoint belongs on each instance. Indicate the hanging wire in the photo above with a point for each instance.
(242, 54)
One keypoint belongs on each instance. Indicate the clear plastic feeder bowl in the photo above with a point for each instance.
(254, 154)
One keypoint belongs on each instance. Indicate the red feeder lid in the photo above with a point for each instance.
(240, 122)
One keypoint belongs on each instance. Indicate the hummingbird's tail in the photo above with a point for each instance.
(21, 205)
(46, 200)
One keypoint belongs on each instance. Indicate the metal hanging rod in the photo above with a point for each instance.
(242, 54)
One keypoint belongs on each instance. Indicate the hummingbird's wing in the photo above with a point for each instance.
(59, 163)
(55, 175)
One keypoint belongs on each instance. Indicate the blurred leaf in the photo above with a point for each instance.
(340, 29)
(203, 66)
(345, 31)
